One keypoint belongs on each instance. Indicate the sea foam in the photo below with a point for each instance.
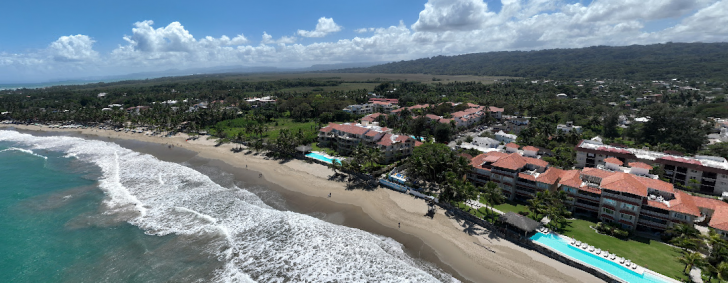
(256, 243)
(25, 151)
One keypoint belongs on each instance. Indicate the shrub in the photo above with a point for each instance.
(611, 230)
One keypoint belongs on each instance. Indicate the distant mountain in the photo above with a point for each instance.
(187, 72)
(636, 62)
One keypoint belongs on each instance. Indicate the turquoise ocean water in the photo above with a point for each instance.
(75, 210)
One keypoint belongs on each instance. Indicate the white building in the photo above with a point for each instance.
(568, 128)
(505, 138)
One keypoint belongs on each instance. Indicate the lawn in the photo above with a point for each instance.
(654, 255)
(329, 151)
(510, 206)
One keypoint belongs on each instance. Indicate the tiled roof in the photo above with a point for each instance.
(623, 182)
(495, 109)
(328, 128)
(614, 150)
(591, 189)
(550, 176)
(596, 172)
(709, 203)
(512, 145)
(537, 162)
(527, 176)
(418, 143)
(389, 139)
(433, 117)
(445, 121)
(656, 184)
(530, 148)
(720, 219)
(492, 156)
(371, 117)
(570, 178)
(681, 160)
(372, 133)
(640, 165)
(684, 204)
(513, 161)
(351, 129)
(472, 105)
(613, 161)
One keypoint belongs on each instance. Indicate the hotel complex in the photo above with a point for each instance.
(626, 195)
(710, 173)
(345, 137)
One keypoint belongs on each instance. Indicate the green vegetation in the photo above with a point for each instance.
(511, 206)
(651, 254)
(636, 62)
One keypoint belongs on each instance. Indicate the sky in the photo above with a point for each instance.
(44, 41)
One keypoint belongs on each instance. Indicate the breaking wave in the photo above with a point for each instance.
(25, 151)
(255, 242)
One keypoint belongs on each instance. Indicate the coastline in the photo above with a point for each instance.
(456, 243)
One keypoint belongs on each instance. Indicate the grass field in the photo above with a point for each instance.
(654, 255)
(341, 87)
(510, 206)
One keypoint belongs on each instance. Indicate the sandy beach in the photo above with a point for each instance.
(458, 244)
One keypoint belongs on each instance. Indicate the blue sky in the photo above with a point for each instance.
(55, 40)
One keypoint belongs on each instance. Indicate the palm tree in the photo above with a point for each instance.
(690, 259)
(721, 271)
(492, 195)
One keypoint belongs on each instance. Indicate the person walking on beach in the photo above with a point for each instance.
(260, 175)
(329, 194)
(399, 224)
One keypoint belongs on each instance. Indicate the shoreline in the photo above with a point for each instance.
(456, 243)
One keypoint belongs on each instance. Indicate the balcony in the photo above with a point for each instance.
(621, 197)
(585, 196)
(586, 206)
(525, 192)
(656, 214)
(651, 223)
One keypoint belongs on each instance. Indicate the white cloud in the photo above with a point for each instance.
(444, 27)
(364, 30)
(443, 15)
(268, 39)
(73, 48)
(323, 27)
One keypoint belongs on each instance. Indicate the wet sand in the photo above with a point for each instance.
(454, 245)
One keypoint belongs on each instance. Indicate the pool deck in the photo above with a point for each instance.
(639, 270)
(325, 155)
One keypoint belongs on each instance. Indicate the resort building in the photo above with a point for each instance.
(504, 137)
(260, 101)
(710, 173)
(345, 137)
(568, 128)
(496, 112)
(360, 109)
(628, 196)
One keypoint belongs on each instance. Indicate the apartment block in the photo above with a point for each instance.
(345, 137)
(710, 173)
(627, 196)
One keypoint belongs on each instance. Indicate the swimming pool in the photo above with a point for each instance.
(318, 156)
(617, 270)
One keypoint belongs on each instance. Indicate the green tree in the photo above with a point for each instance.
(690, 259)
(492, 195)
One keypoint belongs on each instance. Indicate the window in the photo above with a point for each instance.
(627, 216)
(628, 206)
(607, 210)
(693, 171)
(569, 189)
(610, 202)
(680, 216)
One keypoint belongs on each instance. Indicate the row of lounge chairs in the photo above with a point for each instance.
(627, 263)
(543, 230)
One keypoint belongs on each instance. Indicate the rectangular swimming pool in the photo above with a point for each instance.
(615, 269)
(318, 156)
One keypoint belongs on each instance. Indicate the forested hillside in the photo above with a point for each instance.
(704, 61)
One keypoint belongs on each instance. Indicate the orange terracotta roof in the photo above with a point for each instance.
(613, 161)
(623, 182)
(596, 172)
(656, 184)
(640, 165)
(658, 204)
(720, 219)
(684, 204)
(513, 161)
(550, 176)
(537, 162)
(492, 156)
(527, 176)
(495, 109)
(512, 145)
(570, 178)
(372, 133)
(418, 143)
(709, 203)
(328, 128)
(371, 117)
(530, 148)
(591, 189)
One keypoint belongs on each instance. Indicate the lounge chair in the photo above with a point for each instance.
(591, 248)
(599, 251)
(584, 246)
(634, 266)
(606, 254)
(621, 260)
(628, 263)
(613, 257)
